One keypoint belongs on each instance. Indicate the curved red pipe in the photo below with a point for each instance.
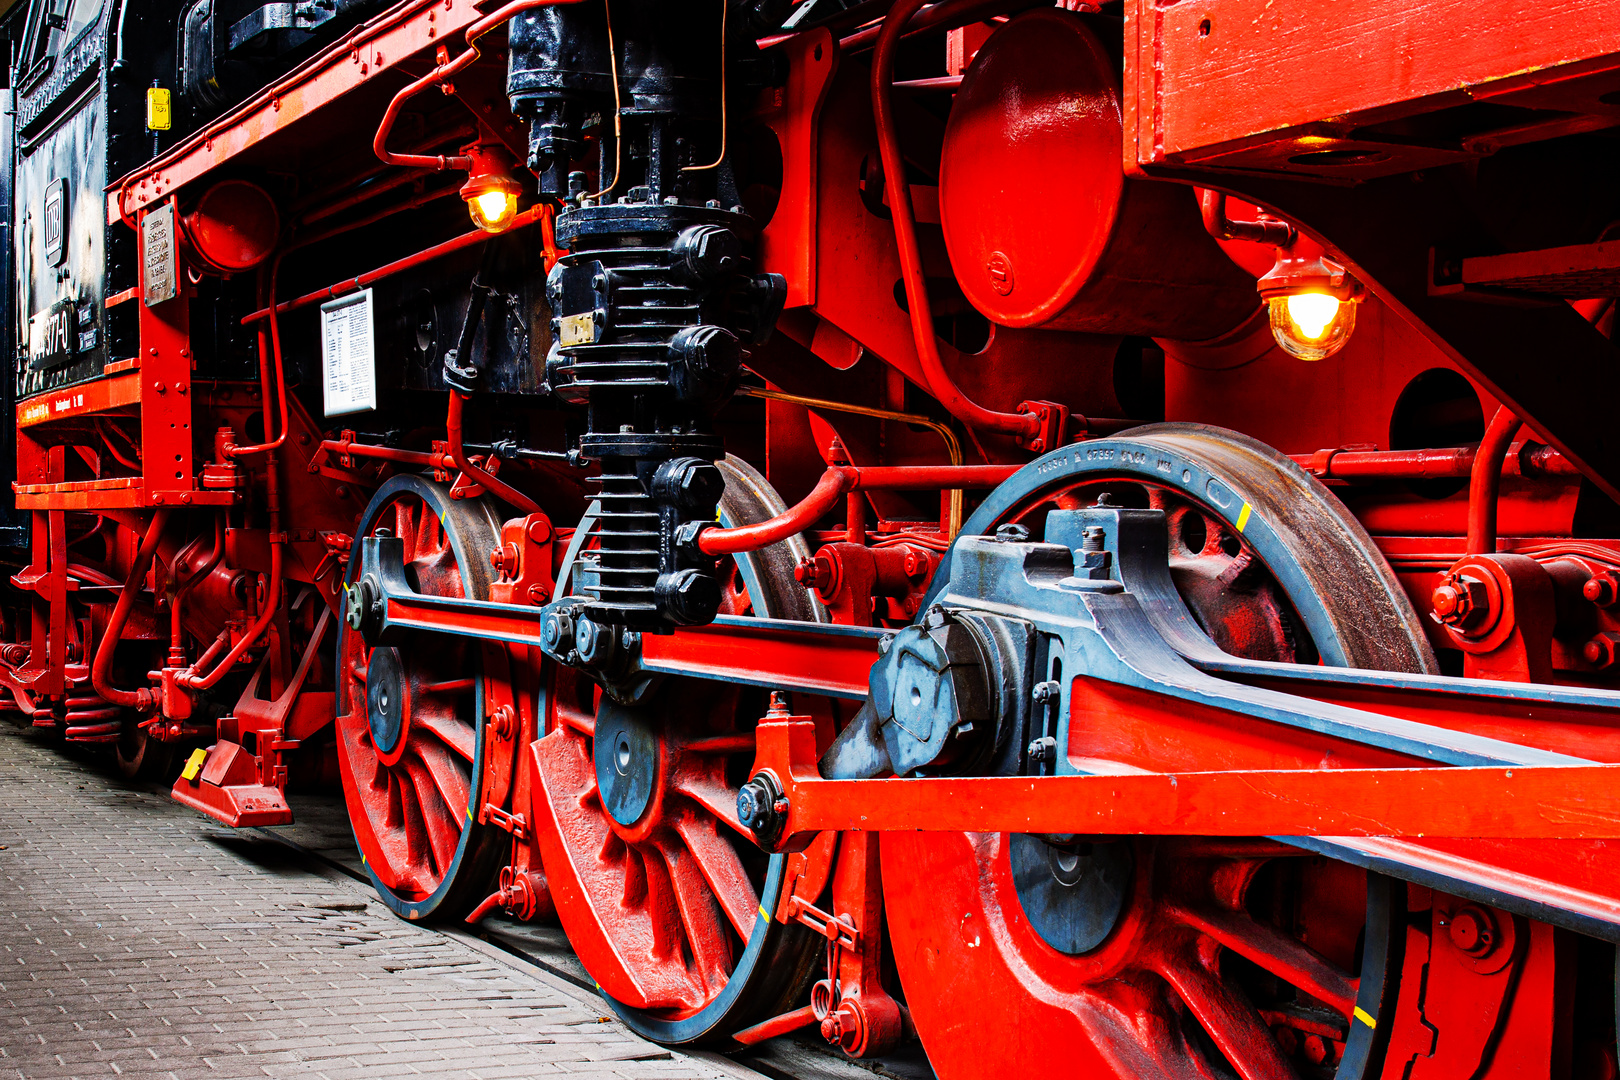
(101, 667)
(834, 484)
(272, 600)
(1025, 425)
(1485, 480)
(264, 369)
(501, 490)
(437, 76)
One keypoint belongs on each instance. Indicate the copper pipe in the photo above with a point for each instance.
(1485, 480)
(101, 667)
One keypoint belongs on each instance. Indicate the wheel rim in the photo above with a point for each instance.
(662, 892)
(1219, 958)
(410, 716)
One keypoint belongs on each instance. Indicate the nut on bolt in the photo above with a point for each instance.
(762, 807)
(1460, 601)
(1602, 649)
(1602, 588)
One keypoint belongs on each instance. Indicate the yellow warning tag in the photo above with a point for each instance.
(194, 764)
(159, 110)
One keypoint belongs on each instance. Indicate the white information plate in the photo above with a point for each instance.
(349, 355)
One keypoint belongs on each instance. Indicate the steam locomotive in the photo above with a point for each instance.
(1084, 534)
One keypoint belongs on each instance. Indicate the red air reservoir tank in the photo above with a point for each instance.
(1043, 227)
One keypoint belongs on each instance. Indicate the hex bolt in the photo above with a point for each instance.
(1460, 601)
(1602, 588)
(1044, 692)
(1601, 650)
(1043, 750)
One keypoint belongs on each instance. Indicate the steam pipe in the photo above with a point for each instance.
(1024, 425)
(1485, 480)
(101, 667)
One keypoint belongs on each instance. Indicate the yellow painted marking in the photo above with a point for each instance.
(764, 914)
(469, 813)
(1361, 1014)
(1243, 517)
(194, 764)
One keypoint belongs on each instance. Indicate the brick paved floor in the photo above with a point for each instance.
(138, 938)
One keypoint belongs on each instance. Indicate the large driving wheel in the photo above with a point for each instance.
(663, 894)
(1179, 958)
(410, 716)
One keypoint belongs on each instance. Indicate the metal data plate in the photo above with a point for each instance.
(577, 329)
(158, 258)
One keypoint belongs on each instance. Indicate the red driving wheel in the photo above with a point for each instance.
(662, 892)
(410, 715)
(1181, 957)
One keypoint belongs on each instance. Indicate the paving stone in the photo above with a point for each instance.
(138, 939)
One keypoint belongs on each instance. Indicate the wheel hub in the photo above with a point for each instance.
(387, 701)
(1072, 894)
(627, 761)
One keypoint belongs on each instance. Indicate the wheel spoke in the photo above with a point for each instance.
(440, 828)
(454, 734)
(723, 870)
(705, 935)
(1229, 1019)
(1276, 952)
(716, 798)
(448, 779)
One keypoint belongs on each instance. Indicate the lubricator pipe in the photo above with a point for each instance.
(436, 77)
(835, 483)
(1485, 480)
(101, 667)
(1024, 425)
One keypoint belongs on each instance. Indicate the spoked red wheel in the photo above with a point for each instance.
(410, 716)
(1183, 957)
(663, 893)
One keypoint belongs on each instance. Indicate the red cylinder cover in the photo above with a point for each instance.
(1042, 226)
(234, 226)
